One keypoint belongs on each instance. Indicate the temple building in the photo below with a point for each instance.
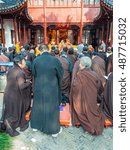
(38, 21)
(14, 19)
(104, 22)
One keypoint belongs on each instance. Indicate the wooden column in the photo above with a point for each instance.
(111, 41)
(36, 38)
(81, 21)
(19, 31)
(29, 35)
(15, 30)
(25, 35)
(107, 36)
(45, 24)
(3, 34)
(102, 32)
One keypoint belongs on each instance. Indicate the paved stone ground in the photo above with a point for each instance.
(70, 139)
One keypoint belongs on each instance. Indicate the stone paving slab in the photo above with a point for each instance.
(71, 138)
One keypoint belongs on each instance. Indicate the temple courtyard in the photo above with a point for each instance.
(71, 138)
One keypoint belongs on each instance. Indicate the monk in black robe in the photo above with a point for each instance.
(48, 73)
(84, 90)
(15, 101)
(108, 98)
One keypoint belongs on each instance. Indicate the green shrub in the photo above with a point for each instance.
(5, 141)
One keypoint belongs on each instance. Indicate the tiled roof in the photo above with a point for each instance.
(108, 3)
(10, 5)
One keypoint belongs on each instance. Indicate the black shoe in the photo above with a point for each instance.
(24, 127)
(63, 103)
(2, 127)
(12, 132)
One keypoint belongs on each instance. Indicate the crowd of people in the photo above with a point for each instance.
(41, 82)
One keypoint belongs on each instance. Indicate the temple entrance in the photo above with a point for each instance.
(63, 35)
(58, 34)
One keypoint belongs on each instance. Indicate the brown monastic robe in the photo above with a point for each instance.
(66, 81)
(75, 70)
(72, 58)
(110, 64)
(98, 65)
(84, 108)
(15, 98)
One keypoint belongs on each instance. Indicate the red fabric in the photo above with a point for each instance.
(65, 115)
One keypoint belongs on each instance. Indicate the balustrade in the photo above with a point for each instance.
(61, 3)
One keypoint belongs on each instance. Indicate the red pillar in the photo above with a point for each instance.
(15, 37)
(25, 35)
(29, 35)
(3, 34)
(107, 36)
(81, 21)
(36, 38)
(19, 31)
(45, 24)
(111, 41)
(102, 33)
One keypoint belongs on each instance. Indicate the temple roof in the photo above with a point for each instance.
(11, 5)
(107, 3)
(106, 10)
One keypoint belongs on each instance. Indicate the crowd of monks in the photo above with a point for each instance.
(45, 77)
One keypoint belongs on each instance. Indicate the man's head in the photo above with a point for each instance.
(100, 48)
(71, 51)
(43, 48)
(19, 60)
(109, 49)
(10, 49)
(4, 50)
(24, 54)
(27, 47)
(65, 49)
(53, 48)
(85, 48)
(56, 52)
(85, 62)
